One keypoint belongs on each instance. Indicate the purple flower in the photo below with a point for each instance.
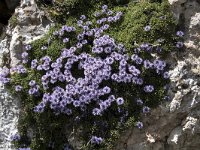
(139, 81)
(28, 47)
(144, 45)
(32, 91)
(15, 137)
(146, 109)
(85, 28)
(139, 102)
(134, 57)
(106, 90)
(111, 98)
(99, 22)
(96, 112)
(147, 28)
(68, 111)
(138, 60)
(34, 63)
(110, 19)
(24, 55)
(25, 61)
(84, 42)
(149, 88)
(134, 70)
(80, 37)
(166, 75)
(139, 124)
(96, 140)
(109, 12)
(105, 27)
(24, 148)
(158, 49)
(76, 103)
(80, 23)
(119, 13)
(32, 83)
(120, 101)
(39, 109)
(4, 80)
(88, 23)
(180, 33)
(167, 98)
(55, 33)
(69, 29)
(21, 69)
(179, 44)
(159, 65)
(97, 14)
(79, 45)
(65, 40)
(104, 7)
(83, 17)
(103, 106)
(109, 60)
(18, 88)
(147, 64)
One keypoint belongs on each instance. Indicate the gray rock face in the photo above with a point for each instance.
(31, 24)
(175, 125)
(9, 113)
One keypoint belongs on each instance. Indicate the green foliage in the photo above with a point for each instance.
(61, 10)
(131, 31)
(13, 20)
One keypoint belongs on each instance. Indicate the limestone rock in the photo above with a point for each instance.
(175, 136)
(177, 2)
(9, 113)
(175, 125)
(31, 24)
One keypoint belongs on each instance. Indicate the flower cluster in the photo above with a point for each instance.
(24, 148)
(15, 137)
(96, 140)
(180, 34)
(106, 61)
(4, 72)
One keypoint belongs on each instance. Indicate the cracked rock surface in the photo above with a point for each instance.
(175, 125)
